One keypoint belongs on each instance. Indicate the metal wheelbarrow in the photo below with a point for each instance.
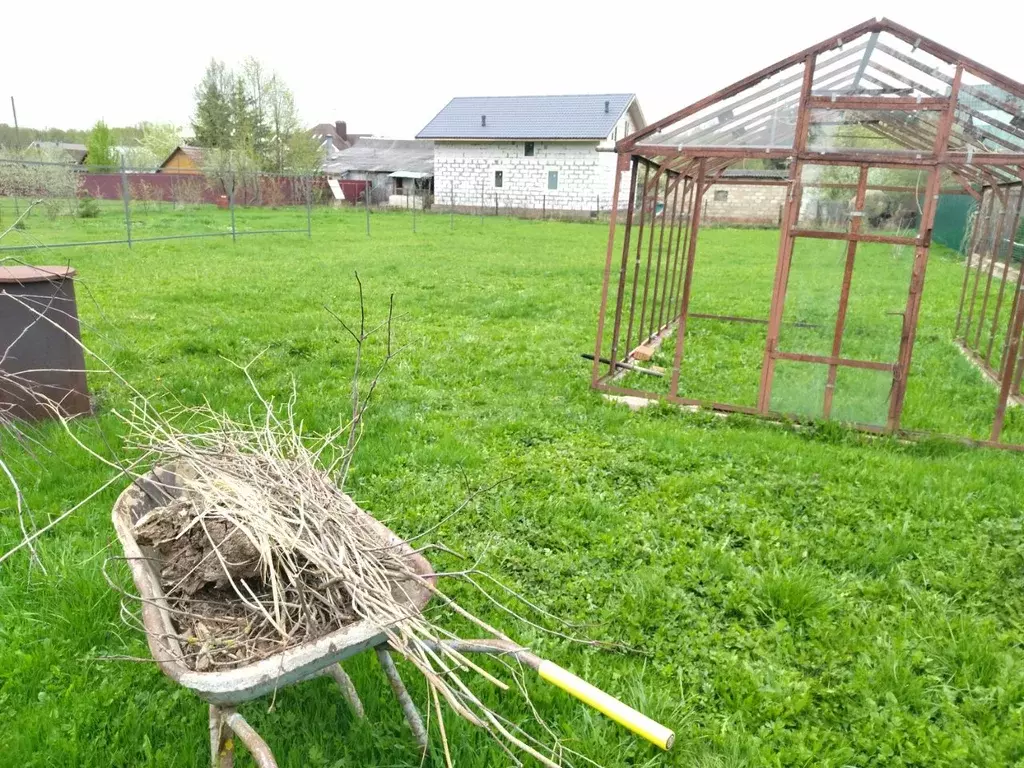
(225, 690)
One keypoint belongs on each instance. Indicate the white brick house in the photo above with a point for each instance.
(530, 152)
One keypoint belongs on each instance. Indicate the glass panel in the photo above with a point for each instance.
(812, 296)
(872, 129)
(861, 395)
(896, 64)
(829, 192)
(552, 180)
(989, 118)
(763, 115)
(722, 362)
(798, 389)
(879, 285)
(946, 393)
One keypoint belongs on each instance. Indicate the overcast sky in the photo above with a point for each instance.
(387, 68)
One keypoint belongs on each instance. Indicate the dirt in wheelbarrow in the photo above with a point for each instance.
(220, 601)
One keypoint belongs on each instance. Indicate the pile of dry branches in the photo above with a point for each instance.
(259, 549)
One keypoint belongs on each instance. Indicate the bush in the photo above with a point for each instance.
(88, 208)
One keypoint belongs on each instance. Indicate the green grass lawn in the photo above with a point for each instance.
(794, 598)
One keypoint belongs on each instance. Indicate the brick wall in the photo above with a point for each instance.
(744, 204)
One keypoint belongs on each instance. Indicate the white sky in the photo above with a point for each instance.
(387, 68)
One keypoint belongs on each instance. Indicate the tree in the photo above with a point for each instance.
(42, 173)
(160, 139)
(100, 146)
(252, 114)
(291, 148)
(213, 120)
(242, 128)
(258, 88)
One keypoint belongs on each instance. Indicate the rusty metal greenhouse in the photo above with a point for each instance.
(846, 312)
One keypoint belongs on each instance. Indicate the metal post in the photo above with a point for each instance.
(309, 208)
(231, 205)
(544, 207)
(17, 142)
(622, 163)
(366, 199)
(482, 185)
(691, 254)
(413, 206)
(495, 203)
(451, 211)
(126, 196)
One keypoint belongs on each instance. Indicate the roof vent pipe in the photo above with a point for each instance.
(483, 121)
(606, 105)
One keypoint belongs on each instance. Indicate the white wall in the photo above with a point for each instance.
(585, 176)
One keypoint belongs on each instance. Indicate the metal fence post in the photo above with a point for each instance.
(17, 144)
(495, 203)
(544, 206)
(413, 200)
(482, 184)
(451, 210)
(367, 191)
(308, 184)
(231, 204)
(126, 196)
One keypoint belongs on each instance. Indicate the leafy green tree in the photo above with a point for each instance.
(160, 139)
(213, 120)
(101, 147)
(242, 118)
(252, 115)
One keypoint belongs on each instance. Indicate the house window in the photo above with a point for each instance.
(721, 195)
(499, 179)
(398, 186)
(552, 180)
(528, 149)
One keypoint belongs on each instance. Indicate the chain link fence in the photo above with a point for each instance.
(61, 205)
(462, 202)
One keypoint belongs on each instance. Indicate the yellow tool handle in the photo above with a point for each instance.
(637, 722)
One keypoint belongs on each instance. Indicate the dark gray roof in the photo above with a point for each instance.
(529, 117)
(752, 173)
(383, 156)
(76, 151)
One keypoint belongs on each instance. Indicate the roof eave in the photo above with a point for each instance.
(513, 138)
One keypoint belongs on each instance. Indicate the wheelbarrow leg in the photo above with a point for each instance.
(222, 746)
(412, 715)
(226, 723)
(348, 690)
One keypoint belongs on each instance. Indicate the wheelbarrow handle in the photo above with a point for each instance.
(623, 714)
(575, 686)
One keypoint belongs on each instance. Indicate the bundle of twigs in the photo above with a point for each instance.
(261, 550)
(285, 556)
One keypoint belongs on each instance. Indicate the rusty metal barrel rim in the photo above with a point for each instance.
(22, 274)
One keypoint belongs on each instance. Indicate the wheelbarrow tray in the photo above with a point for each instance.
(233, 686)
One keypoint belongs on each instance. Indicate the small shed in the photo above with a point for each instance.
(395, 168)
(76, 152)
(183, 160)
